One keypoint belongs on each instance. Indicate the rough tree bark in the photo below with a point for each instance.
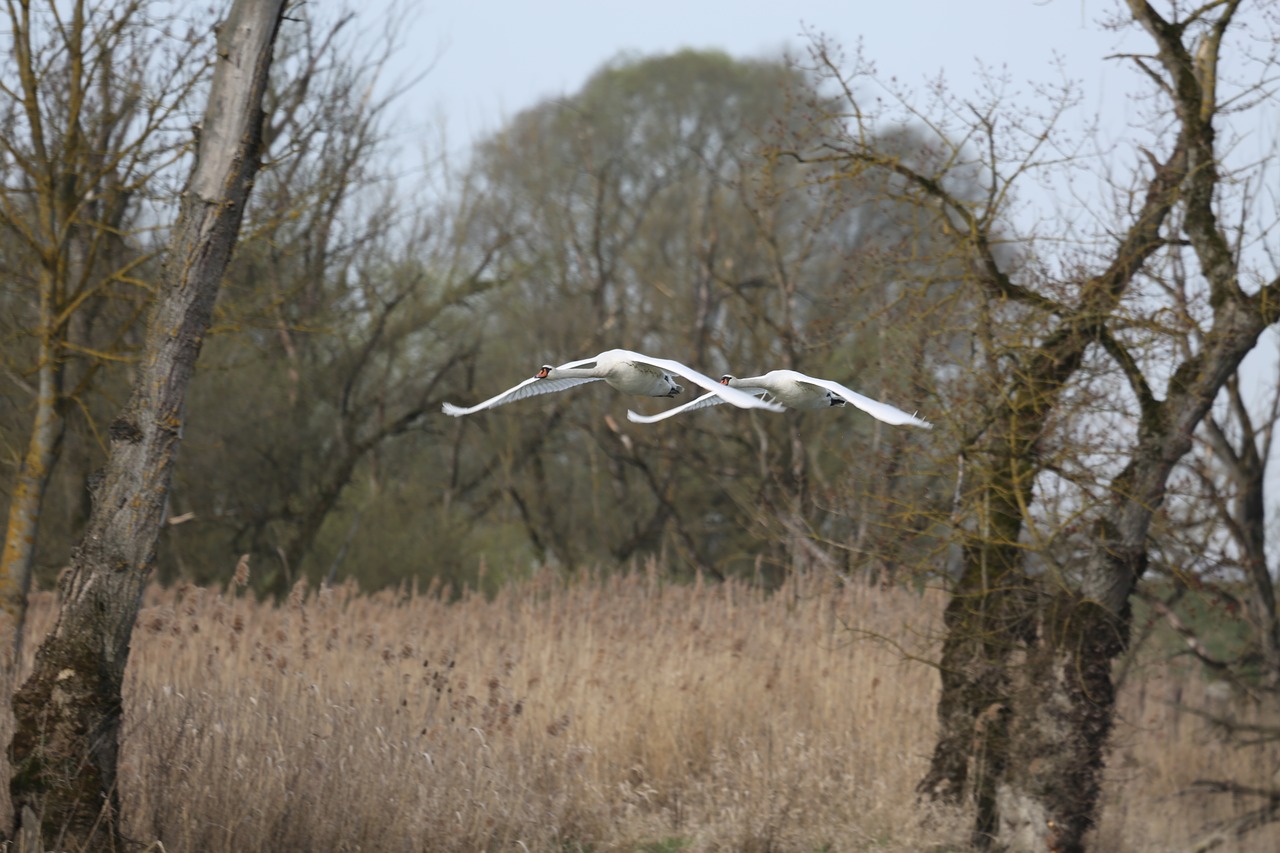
(67, 725)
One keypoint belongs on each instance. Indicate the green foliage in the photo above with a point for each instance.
(650, 210)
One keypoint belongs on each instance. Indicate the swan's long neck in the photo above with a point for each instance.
(585, 369)
(593, 372)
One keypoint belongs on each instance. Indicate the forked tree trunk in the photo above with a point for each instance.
(1063, 713)
(67, 714)
(1018, 740)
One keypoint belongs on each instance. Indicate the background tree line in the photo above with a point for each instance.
(1097, 451)
(639, 214)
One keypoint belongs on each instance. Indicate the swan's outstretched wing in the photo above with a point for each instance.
(880, 411)
(741, 399)
(708, 399)
(528, 388)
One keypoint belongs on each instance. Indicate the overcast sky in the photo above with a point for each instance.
(490, 60)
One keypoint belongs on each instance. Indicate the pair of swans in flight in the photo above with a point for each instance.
(645, 376)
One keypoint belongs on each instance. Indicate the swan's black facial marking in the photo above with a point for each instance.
(834, 400)
(544, 372)
(724, 380)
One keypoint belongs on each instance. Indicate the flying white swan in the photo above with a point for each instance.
(794, 391)
(629, 372)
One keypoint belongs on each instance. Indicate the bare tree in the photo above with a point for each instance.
(1032, 629)
(68, 712)
(82, 153)
(333, 330)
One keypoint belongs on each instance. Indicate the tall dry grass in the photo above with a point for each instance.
(609, 714)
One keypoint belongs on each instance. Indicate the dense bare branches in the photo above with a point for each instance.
(89, 139)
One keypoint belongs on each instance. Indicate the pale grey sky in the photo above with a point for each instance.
(490, 60)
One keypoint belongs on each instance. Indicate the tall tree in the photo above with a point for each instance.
(1087, 399)
(83, 150)
(68, 713)
(607, 195)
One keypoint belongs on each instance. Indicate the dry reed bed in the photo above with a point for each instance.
(604, 715)
(624, 713)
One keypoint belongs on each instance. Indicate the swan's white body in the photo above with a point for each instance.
(795, 390)
(629, 372)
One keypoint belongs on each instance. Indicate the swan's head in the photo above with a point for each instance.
(544, 372)
(726, 379)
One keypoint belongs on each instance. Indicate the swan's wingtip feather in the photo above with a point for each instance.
(452, 410)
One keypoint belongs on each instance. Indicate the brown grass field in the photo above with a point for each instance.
(609, 714)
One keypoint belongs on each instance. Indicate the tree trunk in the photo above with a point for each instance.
(67, 714)
(985, 623)
(1060, 715)
(1062, 718)
(991, 614)
(995, 610)
(43, 445)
